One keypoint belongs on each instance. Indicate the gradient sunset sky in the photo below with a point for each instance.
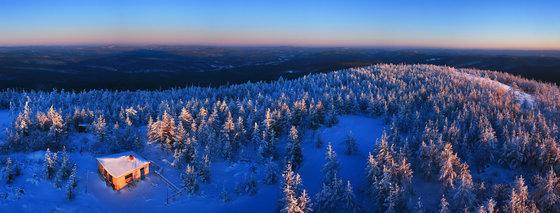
(513, 24)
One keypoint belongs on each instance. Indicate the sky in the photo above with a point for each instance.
(489, 24)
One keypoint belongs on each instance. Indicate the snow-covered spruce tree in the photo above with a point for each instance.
(464, 195)
(373, 172)
(57, 129)
(449, 163)
(350, 143)
(23, 121)
(240, 133)
(189, 180)
(293, 199)
(271, 176)
(267, 148)
(547, 193)
(419, 207)
(394, 202)
(428, 158)
(189, 150)
(304, 202)
(519, 199)
(228, 138)
(186, 117)
(64, 169)
(444, 205)
(256, 135)
(348, 199)
(488, 207)
(167, 130)
(49, 164)
(72, 184)
(100, 128)
(9, 171)
(331, 117)
(331, 195)
(293, 148)
(486, 144)
(204, 171)
(331, 167)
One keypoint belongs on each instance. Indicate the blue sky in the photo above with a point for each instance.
(428, 23)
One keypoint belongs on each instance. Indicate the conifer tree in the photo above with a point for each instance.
(100, 128)
(189, 179)
(348, 199)
(204, 171)
(547, 193)
(49, 164)
(350, 142)
(293, 149)
(464, 195)
(443, 205)
(519, 199)
(270, 176)
(9, 171)
(72, 184)
(448, 164)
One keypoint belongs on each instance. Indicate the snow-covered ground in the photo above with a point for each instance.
(150, 194)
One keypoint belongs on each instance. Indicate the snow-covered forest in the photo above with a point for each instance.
(383, 138)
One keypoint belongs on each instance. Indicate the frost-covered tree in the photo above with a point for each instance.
(449, 163)
(419, 207)
(100, 128)
(304, 202)
(519, 199)
(49, 164)
(229, 142)
(547, 193)
(10, 170)
(331, 167)
(57, 129)
(270, 176)
(204, 171)
(64, 169)
(23, 121)
(293, 148)
(350, 142)
(464, 195)
(292, 193)
(72, 184)
(443, 205)
(189, 179)
(348, 199)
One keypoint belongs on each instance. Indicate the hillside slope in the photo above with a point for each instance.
(473, 139)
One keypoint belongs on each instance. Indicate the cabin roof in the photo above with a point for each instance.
(120, 164)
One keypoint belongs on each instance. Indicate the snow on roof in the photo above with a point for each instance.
(121, 164)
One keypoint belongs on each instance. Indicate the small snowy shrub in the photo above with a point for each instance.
(271, 176)
(350, 142)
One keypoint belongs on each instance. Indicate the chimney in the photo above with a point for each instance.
(131, 157)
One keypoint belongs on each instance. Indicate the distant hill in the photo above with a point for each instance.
(153, 67)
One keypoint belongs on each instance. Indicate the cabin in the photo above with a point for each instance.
(120, 169)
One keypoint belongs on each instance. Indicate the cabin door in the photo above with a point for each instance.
(142, 174)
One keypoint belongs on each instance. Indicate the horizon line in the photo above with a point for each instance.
(272, 46)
